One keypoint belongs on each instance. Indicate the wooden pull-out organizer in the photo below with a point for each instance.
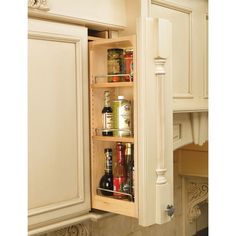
(98, 71)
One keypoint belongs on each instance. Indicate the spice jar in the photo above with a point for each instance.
(115, 64)
(128, 64)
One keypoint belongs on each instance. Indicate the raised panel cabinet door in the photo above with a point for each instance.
(189, 43)
(58, 183)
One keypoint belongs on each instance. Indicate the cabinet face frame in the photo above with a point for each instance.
(56, 32)
(155, 118)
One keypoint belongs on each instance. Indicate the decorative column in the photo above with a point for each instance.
(155, 121)
(160, 74)
(164, 119)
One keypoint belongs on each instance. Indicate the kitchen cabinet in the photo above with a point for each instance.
(59, 181)
(94, 14)
(190, 25)
(66, 150)
(58, 163)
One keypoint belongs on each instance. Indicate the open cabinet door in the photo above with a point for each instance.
(155, 121)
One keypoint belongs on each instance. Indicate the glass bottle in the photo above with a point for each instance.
(107, 115)
(106, 181)
(119, 175)
(128, 186)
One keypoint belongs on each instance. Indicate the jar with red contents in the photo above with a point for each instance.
(128, 64)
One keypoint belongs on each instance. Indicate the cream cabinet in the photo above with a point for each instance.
(96, 14)
(59, 151)
(190, 76)
(58, 164)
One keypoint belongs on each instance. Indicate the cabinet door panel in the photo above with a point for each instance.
(58, 124)
(52, 123)
(189, 43)
(181, 46)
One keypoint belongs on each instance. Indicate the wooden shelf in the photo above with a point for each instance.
(126, 41)
(122, 207)
(114, 139)
(113, 85)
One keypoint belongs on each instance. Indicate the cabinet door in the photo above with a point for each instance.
(155, 121)
(189, 23)
(58, 122)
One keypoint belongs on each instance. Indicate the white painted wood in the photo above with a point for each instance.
(154, 121)
(111, 12)
(190, 83)
(58, 122)
(199, 127)
(93, 216)
(182, 130)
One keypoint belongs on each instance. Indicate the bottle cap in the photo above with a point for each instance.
(107, 150)
(121, 97)
(128, 145)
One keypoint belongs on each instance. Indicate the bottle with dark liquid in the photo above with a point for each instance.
(107, 115)
(128, 186)
(106, 181)
(119, 175)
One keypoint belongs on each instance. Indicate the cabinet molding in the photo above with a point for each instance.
(38, 4)
(205, 56)
(172, 5)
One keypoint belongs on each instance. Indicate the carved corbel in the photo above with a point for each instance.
(197, 194)
(38, 4)
(73, 230)
(199, 127)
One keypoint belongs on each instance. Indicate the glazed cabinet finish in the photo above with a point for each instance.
(58, 122)
(190, 25)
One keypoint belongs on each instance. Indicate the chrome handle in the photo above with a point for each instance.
(170, 210)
